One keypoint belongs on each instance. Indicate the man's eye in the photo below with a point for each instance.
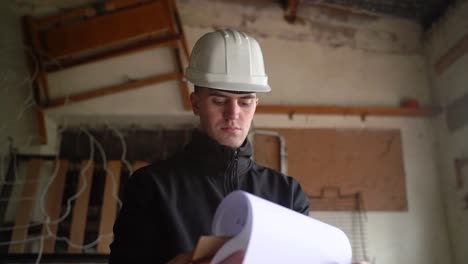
(246, 103)
(219, 101)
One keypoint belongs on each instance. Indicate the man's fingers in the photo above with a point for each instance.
(184, 258)
(235, 258)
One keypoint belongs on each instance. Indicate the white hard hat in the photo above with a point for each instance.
(228, 60)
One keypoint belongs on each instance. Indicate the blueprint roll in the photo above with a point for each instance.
(269, 233)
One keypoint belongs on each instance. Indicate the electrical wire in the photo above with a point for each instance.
(83, 187)
(69, 200)
(27, 103)
(93, 141)
(123, 160)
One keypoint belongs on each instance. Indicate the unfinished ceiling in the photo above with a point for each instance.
(423, 11)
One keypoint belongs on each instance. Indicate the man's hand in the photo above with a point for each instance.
(186, 258)
(183, 258)
(235, 258)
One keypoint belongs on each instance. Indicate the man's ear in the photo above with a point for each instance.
(195, 103)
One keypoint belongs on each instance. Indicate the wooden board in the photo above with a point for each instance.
(109, 206)
(54, 199)
(347, 161)
(80, 209)
(452, 55)
(24, 211)
(139, 164)
(106, 30)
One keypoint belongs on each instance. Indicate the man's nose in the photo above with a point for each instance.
(231, 110)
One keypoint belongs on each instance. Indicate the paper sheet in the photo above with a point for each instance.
(269, 233)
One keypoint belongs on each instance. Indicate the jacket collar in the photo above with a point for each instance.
(214, 157)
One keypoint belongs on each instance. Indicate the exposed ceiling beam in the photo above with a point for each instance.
(290, 13)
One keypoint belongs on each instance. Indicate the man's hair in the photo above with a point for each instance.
(198, 88)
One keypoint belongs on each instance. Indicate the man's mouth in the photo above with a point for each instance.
(230, 128)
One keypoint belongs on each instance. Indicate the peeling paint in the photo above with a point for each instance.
(341, 15)
(248, 19)
(321, 25)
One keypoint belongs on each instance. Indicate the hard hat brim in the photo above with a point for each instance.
(235, 87)
(254, 84)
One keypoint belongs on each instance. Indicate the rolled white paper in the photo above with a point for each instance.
(270, 233)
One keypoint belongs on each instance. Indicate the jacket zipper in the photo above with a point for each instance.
(235, 177)
(231, 182)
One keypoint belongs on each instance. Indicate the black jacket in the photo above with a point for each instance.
(169, 204)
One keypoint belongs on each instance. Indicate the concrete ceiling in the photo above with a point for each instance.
(423, 11)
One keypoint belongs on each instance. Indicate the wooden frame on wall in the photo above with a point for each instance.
(86, 35)
(89, 34)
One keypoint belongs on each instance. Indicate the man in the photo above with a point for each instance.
(168, 205)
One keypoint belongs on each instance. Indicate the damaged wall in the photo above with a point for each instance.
(329, 54)
(451, 93)
(329, 57)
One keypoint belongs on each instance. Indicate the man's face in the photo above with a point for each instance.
(224, 116)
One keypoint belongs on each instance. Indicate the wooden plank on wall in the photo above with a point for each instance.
(139, 164)
(113, 28)
(109, 205)
(182, 83)
(124, 50)
(80, 210)
(60, 18)
(35, 64)
(452, 55)
(54, 199)
(113, 89)
(344, 110)
(41, 126)
(350, 161)
(119, 4)
(180, 29)
(24, 211)
(291, 10)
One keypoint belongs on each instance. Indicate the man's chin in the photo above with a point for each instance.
(231, 142)
(231, 145)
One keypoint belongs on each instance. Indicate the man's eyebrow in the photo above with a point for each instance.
(248, 96)
(218, 94)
